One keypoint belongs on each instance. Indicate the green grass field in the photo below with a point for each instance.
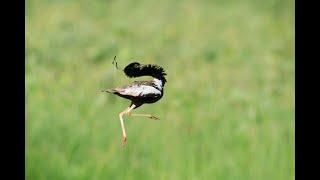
(228, 107)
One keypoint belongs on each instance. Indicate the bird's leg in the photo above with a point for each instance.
(128, 113)
(124, 135)
(145, 115)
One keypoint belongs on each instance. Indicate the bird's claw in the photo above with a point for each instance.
(153, 117)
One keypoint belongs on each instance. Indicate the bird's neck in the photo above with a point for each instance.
(158, 83)
(154, 71)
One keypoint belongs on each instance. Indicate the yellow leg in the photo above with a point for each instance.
(124, 135)
(128, 113)
(145, 115)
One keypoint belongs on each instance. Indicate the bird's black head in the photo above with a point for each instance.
(131, 69)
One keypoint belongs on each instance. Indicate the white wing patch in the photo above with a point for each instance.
(141, 90)
(158, 83)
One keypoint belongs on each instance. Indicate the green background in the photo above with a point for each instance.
(228, 106)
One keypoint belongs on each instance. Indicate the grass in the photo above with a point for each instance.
(228, 107)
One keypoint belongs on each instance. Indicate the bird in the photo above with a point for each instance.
(140, 92)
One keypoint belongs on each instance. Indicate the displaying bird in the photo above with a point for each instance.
(140, 92)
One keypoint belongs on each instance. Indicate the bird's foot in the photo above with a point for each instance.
(124, 140)
(153, 117)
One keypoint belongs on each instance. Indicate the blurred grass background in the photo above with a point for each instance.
(228, 106)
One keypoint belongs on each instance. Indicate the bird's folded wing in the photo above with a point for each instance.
(138, 90)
